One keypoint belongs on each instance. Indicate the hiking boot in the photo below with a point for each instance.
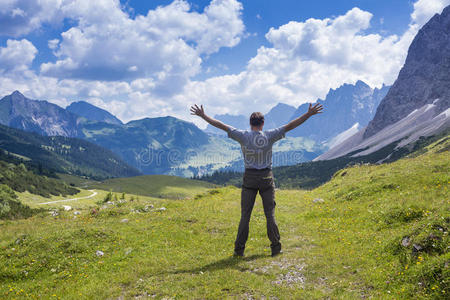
(238, 254)
(276, 252)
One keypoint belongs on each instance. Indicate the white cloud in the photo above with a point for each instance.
(17, 56)
(19, 17)
(425, 9)
(166, 45)
(53, 44)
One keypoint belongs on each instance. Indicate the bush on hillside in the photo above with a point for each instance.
(11, 207)
(20, 179)
(108, 197)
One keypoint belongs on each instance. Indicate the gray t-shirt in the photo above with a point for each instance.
(257, 145)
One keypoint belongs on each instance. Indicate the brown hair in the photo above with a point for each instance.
(256, 119)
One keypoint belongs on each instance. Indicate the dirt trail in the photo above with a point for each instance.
(73, 199)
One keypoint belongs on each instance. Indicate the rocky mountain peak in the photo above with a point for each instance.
(17, 94)
(424, 77)
(42, 117)
(344, 107)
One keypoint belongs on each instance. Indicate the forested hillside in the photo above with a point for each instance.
(20, 179)
(63, 154)
(10, 205)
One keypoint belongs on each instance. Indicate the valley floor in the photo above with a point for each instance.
(372, 231)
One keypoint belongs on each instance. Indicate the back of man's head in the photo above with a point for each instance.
(256, 119)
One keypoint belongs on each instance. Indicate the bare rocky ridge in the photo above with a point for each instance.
(343, 108)
(424, 78)
(424, 121)
(41, 117)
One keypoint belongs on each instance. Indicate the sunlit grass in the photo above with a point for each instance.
(161, 186)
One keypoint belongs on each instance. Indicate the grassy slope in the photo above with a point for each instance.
(161, 186)
(346, 247)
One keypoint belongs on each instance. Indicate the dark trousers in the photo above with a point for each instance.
(255, 181)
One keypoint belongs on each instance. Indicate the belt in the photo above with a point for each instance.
(253, 169)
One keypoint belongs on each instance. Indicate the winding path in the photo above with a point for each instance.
(73, 199)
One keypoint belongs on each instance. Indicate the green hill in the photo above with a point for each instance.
(11, 207)
(20, 179)
(162, 186)
(63, 154)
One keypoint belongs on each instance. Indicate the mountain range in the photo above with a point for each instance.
(349, 106)
(168, 145)
(164, 145)
(41, 117)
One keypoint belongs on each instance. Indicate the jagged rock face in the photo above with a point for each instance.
(343, 108)
(424, 78)
(41, 117)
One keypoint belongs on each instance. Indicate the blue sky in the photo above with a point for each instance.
(154, 58)
(390, 17)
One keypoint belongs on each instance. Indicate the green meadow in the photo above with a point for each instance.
(373, 231)
(161, 186)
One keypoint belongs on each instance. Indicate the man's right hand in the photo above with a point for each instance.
(316, 109)
(198, 111)
(312, 110)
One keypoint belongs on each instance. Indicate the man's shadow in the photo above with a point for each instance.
(225, 263)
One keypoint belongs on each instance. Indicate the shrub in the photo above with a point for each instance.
(11, 207)
(108, 197)
(402, 215)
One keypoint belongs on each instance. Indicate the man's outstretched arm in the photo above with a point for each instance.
(198, 111)
(312, 110)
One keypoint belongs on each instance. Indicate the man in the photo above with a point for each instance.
(256, 146)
